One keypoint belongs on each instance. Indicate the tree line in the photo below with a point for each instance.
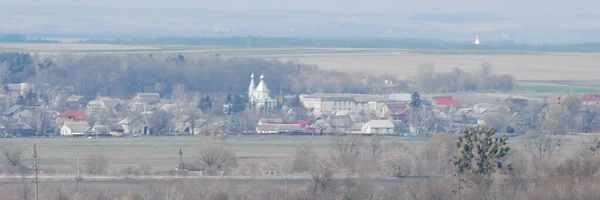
(127, 74)
(124, 75)
(427, 79)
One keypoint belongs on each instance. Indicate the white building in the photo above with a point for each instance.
(378, 127)
(259, 96)
(133, 125)
(75, 129)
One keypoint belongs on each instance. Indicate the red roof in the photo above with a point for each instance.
(77, 114)
(399, 111)
(445, 100)
(591, 97)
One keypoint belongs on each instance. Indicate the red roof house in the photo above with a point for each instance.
(75, 114)
(445, 101)
(591, 98)
(71, 116)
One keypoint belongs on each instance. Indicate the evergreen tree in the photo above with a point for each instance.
(205, 103)
(416, 102)
(480, 152)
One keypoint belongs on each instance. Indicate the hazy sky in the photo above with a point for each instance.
(498, 6)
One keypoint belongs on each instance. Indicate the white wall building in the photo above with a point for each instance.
(75, 129)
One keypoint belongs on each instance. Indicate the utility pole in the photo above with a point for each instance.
(78, 178)
(35, 169)
(285, 189)
(180, 162)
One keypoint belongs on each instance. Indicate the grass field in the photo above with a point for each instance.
(162, 152)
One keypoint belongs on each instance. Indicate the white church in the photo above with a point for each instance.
(259, 95)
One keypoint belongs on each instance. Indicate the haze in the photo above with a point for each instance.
(533, 21)
(505, 6)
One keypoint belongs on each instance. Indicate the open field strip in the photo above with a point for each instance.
(161, 153)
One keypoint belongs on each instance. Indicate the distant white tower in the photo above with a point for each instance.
(476, 40)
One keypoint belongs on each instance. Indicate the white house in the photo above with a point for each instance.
(378, 127)
(75, 129)
(133, 125)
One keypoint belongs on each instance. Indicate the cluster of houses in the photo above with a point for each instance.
(391, 114)
(70, 114)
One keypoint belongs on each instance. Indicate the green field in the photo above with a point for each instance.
(557, 87)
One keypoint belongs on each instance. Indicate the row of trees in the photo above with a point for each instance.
(427, 79)
(125, 75)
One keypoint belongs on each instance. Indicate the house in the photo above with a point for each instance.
(134, 126)
(515, 104)
(591, 99)
(75, 101)
(70, 116)
(395, 111)
(356, 128)
(445, 101)
(75, 129)
(188, 125)
(16, 129)
(116, 130)
(17, 112)
(279, 126)
(20, 89)
(148, 98)
(486, 106)
(104, 106)
(378, 127)
(100, 130)
(58, 95)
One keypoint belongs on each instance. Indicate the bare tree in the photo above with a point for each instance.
(398, 161)
(178, 92)
(346, 150)
(12, 158)
(216, 158)
(375, 145)
(544, 145)
(304, 158)
(320, 178)
(96, 164)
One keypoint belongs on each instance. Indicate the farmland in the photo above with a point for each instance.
(161, 153)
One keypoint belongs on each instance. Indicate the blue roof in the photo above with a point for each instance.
(12, 110)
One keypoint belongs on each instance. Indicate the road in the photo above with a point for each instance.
(239, 181)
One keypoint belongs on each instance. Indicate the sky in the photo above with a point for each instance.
(353, 6)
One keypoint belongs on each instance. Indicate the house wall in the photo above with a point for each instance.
(133, 128)
(65, 131)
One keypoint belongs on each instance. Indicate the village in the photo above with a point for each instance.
(38, 110)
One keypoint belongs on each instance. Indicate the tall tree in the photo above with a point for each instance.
(481, 152)
(415, 101)
(205, 104)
